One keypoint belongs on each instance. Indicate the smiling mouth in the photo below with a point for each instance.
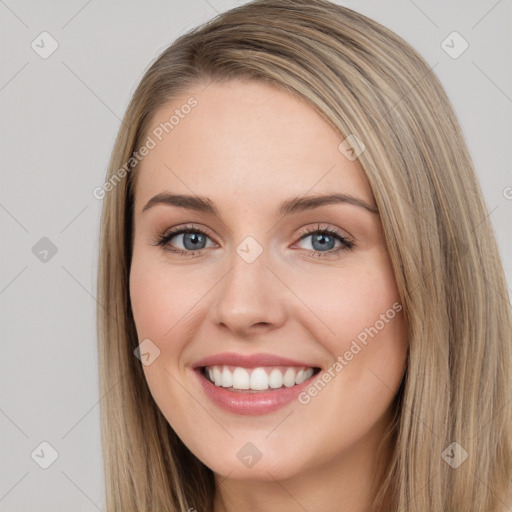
(254, 380)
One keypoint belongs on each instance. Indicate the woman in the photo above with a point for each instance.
(244, 367)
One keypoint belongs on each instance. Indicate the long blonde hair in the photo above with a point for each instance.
(365, 81)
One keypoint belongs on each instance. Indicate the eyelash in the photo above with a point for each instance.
(163, 240)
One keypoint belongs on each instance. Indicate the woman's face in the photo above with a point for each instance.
(256, 294)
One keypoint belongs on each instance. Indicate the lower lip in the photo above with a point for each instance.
(251, 404)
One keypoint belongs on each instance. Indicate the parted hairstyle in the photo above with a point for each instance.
(365, 81)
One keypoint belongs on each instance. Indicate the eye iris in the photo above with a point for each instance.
(320, 238)
(196, 239)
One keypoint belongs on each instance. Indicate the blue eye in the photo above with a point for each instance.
(194, 240)
(323, 240)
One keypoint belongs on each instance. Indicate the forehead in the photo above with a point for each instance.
(245, 140)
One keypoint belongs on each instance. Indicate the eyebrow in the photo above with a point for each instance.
(293, 205)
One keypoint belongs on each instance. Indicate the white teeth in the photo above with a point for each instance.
(308, 374)
(227, 378)
(304, 375)
(217, 376)
(258, 379)
(275, 379)
(289, 378)
(240, 379)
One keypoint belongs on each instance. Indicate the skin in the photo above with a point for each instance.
(249, 146)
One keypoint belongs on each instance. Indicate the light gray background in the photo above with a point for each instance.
(59, 118)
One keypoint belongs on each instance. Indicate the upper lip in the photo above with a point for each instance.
(249, 361)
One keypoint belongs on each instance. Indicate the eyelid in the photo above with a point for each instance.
(328, 228)
(180, 228)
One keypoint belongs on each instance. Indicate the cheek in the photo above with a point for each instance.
(349, 301)
(367, 340)
(162, 305)
(162, 300)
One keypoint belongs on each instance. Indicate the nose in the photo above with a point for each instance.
(250, 299)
